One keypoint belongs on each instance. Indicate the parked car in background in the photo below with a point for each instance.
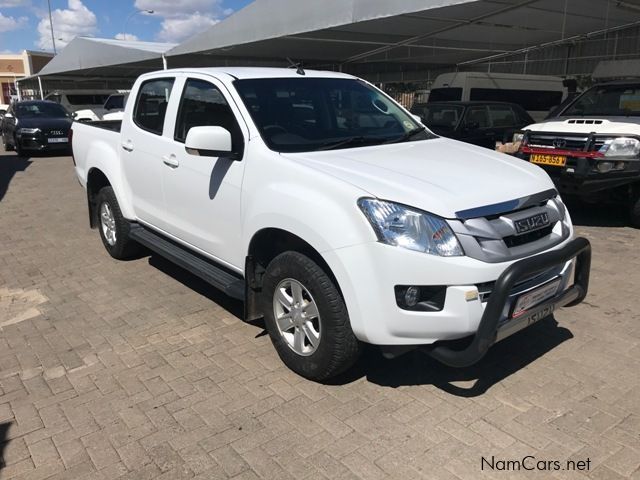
(36, 126)
(3, 110)
(591, 149)
(332, 212)
(479, 123)
(88, 105)
(537, 94)
(114, 106)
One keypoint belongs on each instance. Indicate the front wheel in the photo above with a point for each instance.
(307, 318)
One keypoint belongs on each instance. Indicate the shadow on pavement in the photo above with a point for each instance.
(502, 360)
(597, 215)
(231, 305)
(4, 433)
(9, 165)
(415, 368)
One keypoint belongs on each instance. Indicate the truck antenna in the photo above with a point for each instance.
(297, 66)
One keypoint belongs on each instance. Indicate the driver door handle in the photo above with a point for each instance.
(127, 146)
(171, 161)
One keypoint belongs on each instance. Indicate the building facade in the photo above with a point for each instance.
(13, 67)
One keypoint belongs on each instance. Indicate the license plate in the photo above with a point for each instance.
(553, 160)
(58, 140)
(529, 224)
(535, 297)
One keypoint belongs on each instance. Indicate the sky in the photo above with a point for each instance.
(24, 24)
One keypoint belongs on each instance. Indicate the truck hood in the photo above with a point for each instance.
(600, 125)
(441, 176)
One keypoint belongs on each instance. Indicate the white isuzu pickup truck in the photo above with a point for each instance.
(332, 213)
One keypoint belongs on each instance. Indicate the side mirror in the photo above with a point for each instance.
(8, 115)
(417, 118)
(209, 142)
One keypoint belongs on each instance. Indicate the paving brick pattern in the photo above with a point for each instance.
(137, 370)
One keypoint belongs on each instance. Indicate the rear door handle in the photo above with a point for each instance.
(128, 146)
(171, 161)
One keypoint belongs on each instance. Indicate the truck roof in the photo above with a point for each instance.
(258, 72)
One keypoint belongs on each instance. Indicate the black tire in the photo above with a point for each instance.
(634, 208)
(7, 146)
(122, 247)
(338, 347)
(17, 147)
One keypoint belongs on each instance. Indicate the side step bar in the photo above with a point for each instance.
(230, 284)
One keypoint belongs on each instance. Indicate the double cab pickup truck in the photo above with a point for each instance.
(591, 149)
(331, 212)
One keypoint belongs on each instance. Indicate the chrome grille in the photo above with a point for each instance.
(494, 238)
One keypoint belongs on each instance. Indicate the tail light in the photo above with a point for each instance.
(70, 137)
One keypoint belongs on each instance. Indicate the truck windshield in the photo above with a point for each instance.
(607, 100)
(309, 114)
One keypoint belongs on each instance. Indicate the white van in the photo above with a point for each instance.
(88, 102)
(537, 94)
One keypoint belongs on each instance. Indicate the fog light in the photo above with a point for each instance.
(604, 167)
(411, 296)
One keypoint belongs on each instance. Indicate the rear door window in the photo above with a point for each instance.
(476, 118)
(151, 104)
(502, 116)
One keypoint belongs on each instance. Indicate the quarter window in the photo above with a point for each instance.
(151, 106)
(203, 104)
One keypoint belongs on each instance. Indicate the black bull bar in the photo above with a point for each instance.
(489, 331)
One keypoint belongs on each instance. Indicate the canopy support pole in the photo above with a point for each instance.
(18, 90)
(164, 62)
(40, 85)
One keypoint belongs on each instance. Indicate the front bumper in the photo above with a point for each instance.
(368, 273)
(39, 142)
(490, 331)
(580, 176)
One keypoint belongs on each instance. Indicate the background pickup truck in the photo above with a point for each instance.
(592, 148)
(332, 213)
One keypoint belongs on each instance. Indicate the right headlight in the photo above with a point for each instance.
(517, 137)
(621, 147)
(28, 131)
(402, 226)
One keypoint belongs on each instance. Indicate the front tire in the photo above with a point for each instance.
(113, 227)
(307, 319)
(17, 147)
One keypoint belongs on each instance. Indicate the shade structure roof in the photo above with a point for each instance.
(434, 32)
(90, 57)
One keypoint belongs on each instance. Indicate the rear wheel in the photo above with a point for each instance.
(113, 227)
(307, 319)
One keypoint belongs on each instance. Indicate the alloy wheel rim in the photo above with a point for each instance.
(297, 317)
(108, 223)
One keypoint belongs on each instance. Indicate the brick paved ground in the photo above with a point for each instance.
(137, 370)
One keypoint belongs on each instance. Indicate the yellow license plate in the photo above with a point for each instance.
(554, 160)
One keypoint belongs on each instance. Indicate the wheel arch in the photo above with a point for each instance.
(265, 245)
(96, 181)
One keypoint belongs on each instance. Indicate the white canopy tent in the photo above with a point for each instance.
(99, 63)
(380, 35)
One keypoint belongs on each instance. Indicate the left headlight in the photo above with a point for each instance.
(621, 147)
(28, 131)
(405, 227)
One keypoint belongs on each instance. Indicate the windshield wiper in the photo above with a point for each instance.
(350, 141)
(407, 136)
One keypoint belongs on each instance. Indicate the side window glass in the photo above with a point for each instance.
(476, 117)
(202, 104)
(502, 116)
(151, 106)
